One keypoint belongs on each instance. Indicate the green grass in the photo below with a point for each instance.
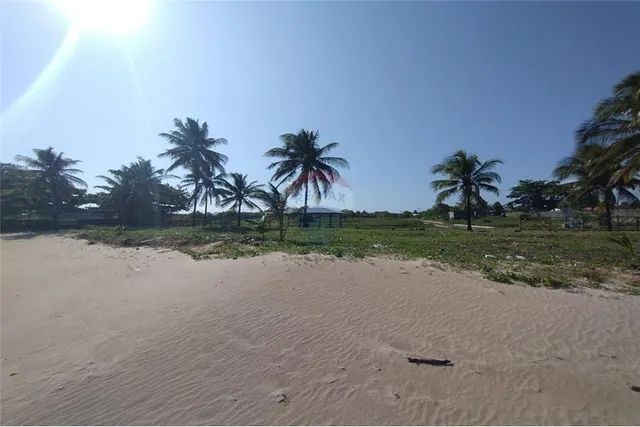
(551, 258)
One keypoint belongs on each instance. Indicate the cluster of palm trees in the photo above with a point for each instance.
(193, 149)
(54, 179)
(606, 161)
(137, 191)
(605, 165)
(300, 161)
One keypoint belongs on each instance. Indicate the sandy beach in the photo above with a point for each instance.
(99, 335)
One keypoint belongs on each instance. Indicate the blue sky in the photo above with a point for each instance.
(398, 85)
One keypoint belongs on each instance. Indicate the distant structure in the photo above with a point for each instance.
(318, 217)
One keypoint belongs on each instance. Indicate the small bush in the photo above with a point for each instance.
(495, 275)
(552, 282)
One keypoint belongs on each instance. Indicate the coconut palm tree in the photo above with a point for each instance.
(593, 177)
(303, 158)
(210, 190)
(466, 176)
(276, 204)
(55, 178)
(133, 190)
(616, 124)
(239, 191)
(193, 150)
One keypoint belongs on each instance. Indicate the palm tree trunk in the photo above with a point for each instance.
(129, 205)
(281, 224)
(239, 209)
(54, 213)
(206, 202)
(468, 209)
(608, 201)
(30, 215)
(306, 195)
(195, 204)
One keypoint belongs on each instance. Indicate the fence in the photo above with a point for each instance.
(577, 221)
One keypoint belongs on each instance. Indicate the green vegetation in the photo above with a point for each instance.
(467, 177)
(192, 149)
(606, 160)
(54, 178)
(598, 179)
(529, 195)
(603, 174)
(237, 191)
(301, 155)
(615, 124)
(534, 257)
(275, 202)
(137, 195)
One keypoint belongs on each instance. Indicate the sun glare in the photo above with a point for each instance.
(110, 16)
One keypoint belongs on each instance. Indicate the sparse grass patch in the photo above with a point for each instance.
(534, 257)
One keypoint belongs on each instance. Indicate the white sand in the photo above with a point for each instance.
(97, 335)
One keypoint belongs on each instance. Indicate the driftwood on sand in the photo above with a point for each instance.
(434, 362)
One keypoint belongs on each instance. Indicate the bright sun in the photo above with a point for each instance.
(111, 16)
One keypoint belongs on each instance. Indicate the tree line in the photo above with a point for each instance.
(602, 172)
(137, 193)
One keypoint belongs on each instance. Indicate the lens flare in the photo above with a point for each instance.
(119, 17)
(26, 106)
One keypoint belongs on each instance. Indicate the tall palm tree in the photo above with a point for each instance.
(238, 192)
(467, 176)
(55, 178)
(593, 177)
(276, 204)
(133, 190)
(193, 150)
(210, 190)
(616, 123)
(303, 158)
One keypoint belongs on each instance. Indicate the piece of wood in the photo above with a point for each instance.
(434, 362)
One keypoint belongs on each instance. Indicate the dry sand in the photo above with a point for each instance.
(100, 335)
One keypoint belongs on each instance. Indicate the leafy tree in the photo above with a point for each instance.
(597, 179)
(16, 185)
(54, 180)
(306, 162)
(497, 209)
(172, 200)
(276, 205)
(134, 192)
(239, 191)
(529, 195)
(479, 207)
(193, 150)
(438, 210)
(466, 176)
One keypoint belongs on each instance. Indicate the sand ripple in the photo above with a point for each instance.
(97, 335)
